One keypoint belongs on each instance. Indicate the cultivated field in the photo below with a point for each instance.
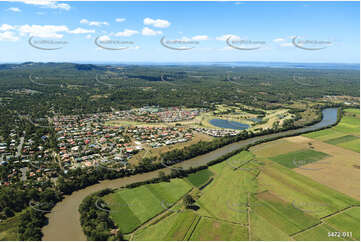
(346, 134)
(296, 188)
(132, 207)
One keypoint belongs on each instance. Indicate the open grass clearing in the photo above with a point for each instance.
(200, 177)
(299, 158)
(132, 207)
(210, 229)
(347, 221)
(173, 227)
(284, 215)
(318, 233)
(292, 187)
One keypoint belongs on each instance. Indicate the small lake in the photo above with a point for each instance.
(226, 124)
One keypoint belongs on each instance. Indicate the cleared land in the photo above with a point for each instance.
(299, 158)
(132, 207)
(345, 134)
(173, 227)
(199, 178)
(258, 195)
(210, 229)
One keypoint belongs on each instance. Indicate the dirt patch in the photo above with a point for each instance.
(340, 171)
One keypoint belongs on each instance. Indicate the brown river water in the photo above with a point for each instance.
(64, 219)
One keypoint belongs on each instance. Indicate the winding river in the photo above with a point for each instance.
(64, 219)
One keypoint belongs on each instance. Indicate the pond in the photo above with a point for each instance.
(226, 124)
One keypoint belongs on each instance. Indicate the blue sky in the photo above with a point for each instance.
(330, 29)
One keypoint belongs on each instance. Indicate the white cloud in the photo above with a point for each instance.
(82, 31)
(93, 23)
(150, 32)
(286, 44)
(43, 31)
(159, 23)
(6, 27)
(8, 36)
(200, 37)
(226, 36)
(119, 20)
(45, 4)
(126, 33)
(104, 38)
(278, 40)
(14, 10)
(88, 36)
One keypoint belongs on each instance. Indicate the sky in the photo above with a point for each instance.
(185, 32)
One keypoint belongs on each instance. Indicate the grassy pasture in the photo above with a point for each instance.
(318, 233)
(199, 178)
(210, 229)
(283, 215)
(341, 139)
(263, 229)
(293, 187)
(345, 134)
(348, 221)
(226, 197)
(353, 145)
(132, 207)
(298, 158)
(173, 227)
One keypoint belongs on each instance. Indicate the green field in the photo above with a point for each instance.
(318, 233)
(298, 158)
(276, 202)
(9, 228)
(226, 196)
(210, 229)
(345, 134)
(200, 177)
(174, 227)
(132, 207)
(308, 195)
(348, 221)
(283, 215)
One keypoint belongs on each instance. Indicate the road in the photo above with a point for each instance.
(20, 146)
